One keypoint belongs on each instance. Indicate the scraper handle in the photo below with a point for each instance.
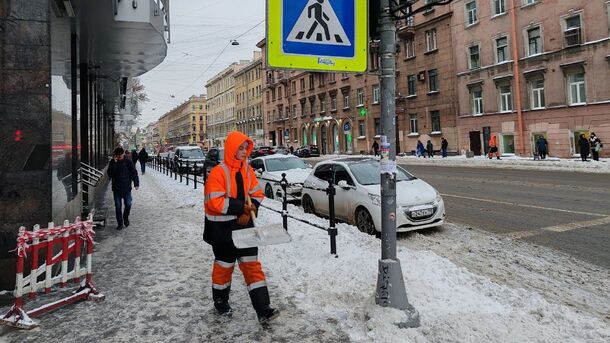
(252, 214)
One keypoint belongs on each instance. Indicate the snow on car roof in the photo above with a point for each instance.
(351, 160)
(270, 157)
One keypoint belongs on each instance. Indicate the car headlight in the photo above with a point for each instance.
(375, 199)
(438, 198)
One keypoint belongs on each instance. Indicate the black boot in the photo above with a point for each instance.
(223, 308)
(267, 314)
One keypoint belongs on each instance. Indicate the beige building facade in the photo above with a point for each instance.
(558, 87)
(248, 100)
(221, 104)
(185, 124)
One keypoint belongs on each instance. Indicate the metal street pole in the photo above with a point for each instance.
(390, 283)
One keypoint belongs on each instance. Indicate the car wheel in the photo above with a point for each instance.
(364, 221)
(307, 204)
(269, 191)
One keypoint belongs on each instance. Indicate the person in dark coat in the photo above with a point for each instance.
(584, 147)
(143, 157)
(134, 156)
(420, 151)
(542, 146)
(375, 148)
(430, 149)
(122, 172)
(444, 146)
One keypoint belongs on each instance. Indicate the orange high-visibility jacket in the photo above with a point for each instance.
(493, 141)
(221, 205)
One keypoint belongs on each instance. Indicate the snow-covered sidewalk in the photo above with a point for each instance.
(156, 278)
(506, 162)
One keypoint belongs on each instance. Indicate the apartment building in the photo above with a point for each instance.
(184, 124)
(248, 99)
(531, 68)
(338, 112)
(426, 104)
(221, 104)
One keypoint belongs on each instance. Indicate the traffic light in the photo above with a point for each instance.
(18, 135)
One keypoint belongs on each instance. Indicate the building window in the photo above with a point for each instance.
(474, 61)
(293, 85)
(411, 85)
(303, 108)
(431, 40)
(312, 103)
(508, 143)
(331, 78)
(294, 111)
(346, 100)
(534, 41)
(432, 80)
(333, 102)
(608, 12)
(537, 94)
(576, 89)
(322, 104)
(528, 2)
(410, 47)
(311, 81)
(344, 76)
(471, 13)
(501, 49)
(361, 131)
(476, 95)
(413, 122)
(360, 96)
(376, 94)
(279, 93)
(573, 31)
(499, 7)
(377, 127)
(435, 117)
(302, 82)
(321, 79)
(506, 98)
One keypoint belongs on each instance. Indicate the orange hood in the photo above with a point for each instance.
(232, 143)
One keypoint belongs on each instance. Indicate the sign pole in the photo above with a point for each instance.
(390, 283)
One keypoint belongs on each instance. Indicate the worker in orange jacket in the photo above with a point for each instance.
(227, 209)
(493, 147)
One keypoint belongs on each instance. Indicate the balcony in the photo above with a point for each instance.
(407, 30)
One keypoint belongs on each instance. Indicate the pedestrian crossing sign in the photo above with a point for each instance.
(324, 35)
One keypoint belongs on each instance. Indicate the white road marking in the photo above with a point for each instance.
(560, 228)
(525, 205)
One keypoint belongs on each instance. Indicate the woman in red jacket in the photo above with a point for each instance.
(226, 209)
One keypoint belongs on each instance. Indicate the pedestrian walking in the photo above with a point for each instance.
(228, 187)
(375, 148)
(585, 147)
(596, 146)
(542, 146)
(430, 149)
(291, 150)
(134, 156)
(420, 151)
(122, 172)
(444, 147)
(143, 157)
(493, 147)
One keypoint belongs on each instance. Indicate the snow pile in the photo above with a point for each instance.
(506, 162)
(454, 304)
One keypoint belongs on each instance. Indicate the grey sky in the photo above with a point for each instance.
(200, 29)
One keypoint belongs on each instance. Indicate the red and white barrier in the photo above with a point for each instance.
(72, 238)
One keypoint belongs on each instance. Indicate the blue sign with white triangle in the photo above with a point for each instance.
(326, 35)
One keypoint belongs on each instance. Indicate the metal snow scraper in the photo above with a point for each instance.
(260, 235)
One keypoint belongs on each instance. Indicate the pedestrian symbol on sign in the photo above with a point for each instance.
(318, 24)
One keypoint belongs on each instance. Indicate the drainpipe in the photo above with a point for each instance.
(517, 74)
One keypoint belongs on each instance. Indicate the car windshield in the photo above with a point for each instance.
(278, 164)
(193, 153)
(367, 173)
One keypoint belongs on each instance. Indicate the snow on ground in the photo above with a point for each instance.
(506, 162)
(463, 290)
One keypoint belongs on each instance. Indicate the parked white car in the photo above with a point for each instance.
(358, 199)
(269, 170)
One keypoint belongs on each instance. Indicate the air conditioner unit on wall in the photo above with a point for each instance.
(421, 76)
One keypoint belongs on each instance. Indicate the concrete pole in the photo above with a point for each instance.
(390, 283)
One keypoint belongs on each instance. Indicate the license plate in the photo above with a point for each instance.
(422, 213)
